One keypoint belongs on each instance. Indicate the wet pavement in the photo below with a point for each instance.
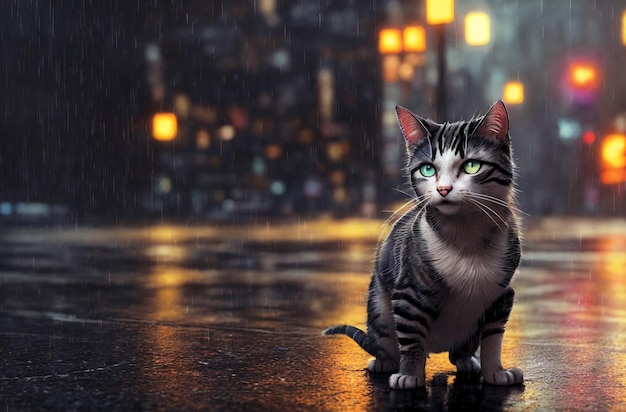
(228, 317)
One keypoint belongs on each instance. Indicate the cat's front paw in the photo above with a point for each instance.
(468, 365)
(505, 377)
(403, 382)
(382, 365)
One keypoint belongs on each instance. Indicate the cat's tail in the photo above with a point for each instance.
(360, 337)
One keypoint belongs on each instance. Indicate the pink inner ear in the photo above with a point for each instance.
(496, 123)
(412, 130)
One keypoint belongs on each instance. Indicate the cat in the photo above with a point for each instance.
(441, 278)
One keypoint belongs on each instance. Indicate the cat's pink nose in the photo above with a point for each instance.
(444, 190)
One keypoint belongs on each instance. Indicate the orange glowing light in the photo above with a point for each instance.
(414, 39)
(613, 176)
(613, 153)
(390, 41)
(164, 126)
(391, 65)
(583, 75)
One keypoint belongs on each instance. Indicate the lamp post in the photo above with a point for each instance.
(438, 14)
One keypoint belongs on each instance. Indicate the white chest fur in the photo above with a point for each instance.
(473, 281)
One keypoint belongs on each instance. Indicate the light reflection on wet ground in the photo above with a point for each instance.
(217, 317)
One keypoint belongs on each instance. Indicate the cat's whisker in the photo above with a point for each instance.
(488, 197)
(497, 201)
(485, 211)
(489, 211)
(502, 219)
(418, 201)
(403, 192)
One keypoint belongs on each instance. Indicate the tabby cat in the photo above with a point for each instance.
(441, 277)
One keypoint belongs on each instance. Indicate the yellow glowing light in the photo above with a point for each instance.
(164, 126)
(614, 151)
(414, 39)
(477, 29)
(390, 41)
(226, 132)
(439, 11)
(513, 92)
(624, 27)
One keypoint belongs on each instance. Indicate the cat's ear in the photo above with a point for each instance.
(412, 128)
(495, 124)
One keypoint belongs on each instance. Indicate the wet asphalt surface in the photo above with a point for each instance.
(229, 317)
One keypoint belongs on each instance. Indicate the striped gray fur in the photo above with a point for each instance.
(441, 280)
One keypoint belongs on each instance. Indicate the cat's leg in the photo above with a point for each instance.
(381, 328)
(413, 320)
(495, 319)
(463, 356)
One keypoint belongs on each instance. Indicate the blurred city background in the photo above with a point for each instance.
(179, 163)
(179, 108)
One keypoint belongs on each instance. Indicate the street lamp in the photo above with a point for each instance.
(439, 13)
(513, 92)
(582, 81)
(477, 28)
(583, 75)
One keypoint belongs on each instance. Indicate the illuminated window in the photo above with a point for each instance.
(390, 41)
(414, 39)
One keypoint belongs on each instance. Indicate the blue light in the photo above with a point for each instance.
(6, 208)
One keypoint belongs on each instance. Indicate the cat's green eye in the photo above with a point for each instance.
(427, 170)
(471, 167)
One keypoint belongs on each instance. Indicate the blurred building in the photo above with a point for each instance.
(276, 111)
(285, 107)
(289, 107)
